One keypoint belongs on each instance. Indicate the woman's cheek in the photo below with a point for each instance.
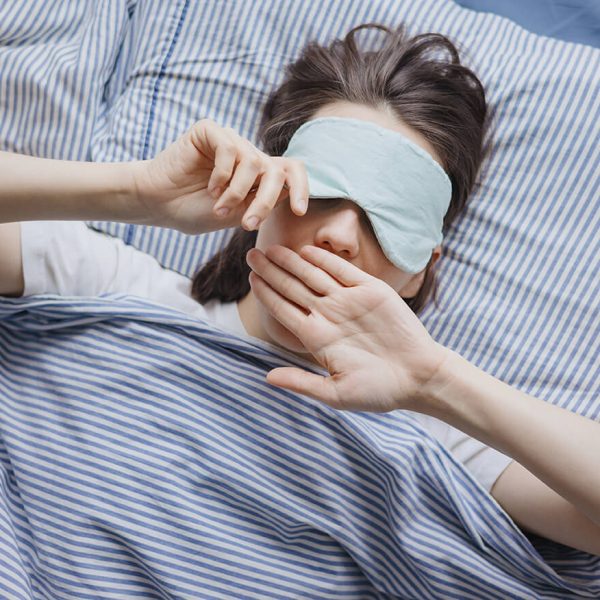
(274, 230)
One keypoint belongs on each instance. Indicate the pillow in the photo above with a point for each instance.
(56, 63)
(573, 21)
(518, 279)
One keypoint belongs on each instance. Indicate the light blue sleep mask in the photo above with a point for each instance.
(402, 189)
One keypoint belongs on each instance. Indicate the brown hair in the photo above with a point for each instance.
(440, 98)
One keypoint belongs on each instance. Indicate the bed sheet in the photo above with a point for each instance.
(143, 455)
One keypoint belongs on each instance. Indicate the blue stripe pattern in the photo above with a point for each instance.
(55, 60)
(142, 454)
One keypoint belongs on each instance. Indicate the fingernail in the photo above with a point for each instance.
(251, 223)
(216, 192)
(300, 205)
(223, 212)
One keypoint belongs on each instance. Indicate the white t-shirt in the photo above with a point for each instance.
(69, 258)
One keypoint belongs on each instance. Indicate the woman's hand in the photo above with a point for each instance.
(211, 178)
(380, 358)
(378, 353)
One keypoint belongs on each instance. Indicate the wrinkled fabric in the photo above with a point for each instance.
(142, 454)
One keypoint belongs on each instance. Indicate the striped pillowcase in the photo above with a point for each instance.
(518, 281)
(56, 65)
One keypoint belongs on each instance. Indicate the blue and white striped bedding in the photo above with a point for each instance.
(143, 455)
(106, 493)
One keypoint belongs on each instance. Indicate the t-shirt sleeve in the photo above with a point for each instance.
(70, 259)
(67, 258)
(485, 463)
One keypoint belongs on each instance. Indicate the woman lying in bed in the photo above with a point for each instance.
(338, 278)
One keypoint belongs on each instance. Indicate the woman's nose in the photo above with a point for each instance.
(339, 232)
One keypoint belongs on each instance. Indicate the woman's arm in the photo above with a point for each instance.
(45, 189)
(185, 187)
(558, 446)
(537, 508)
(207, 169)
(380, 358)
(554, 490)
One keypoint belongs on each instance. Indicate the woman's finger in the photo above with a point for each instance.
(303, 382)
(285, 285)
(270, 190)
(248, 169)
(312, 276)
(342, 270)
(298, 184)
(289, 315)
(212, 140)
(224, 164)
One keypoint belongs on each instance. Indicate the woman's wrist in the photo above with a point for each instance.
(454, 393)
(137, 198)
(432, 379)
(113, 193)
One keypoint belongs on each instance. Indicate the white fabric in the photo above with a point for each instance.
(484, 463)
(68, 258)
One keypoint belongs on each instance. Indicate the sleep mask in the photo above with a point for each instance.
(402, 189)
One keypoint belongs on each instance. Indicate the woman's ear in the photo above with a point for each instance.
(411, 289)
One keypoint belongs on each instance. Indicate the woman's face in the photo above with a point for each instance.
(337, 225)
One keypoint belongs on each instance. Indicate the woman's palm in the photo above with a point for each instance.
(371, 343)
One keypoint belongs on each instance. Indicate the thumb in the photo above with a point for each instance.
(303, 382)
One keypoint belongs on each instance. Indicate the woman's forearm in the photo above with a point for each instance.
(560, 448)
(180, 188)
(46, 189)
